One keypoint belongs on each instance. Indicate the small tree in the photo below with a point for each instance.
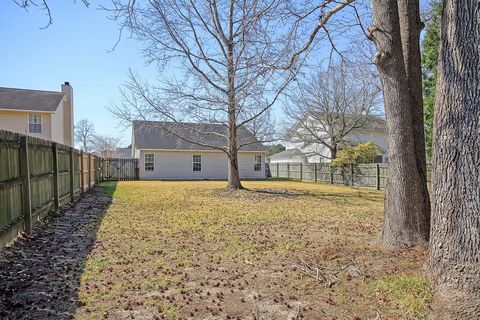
(276, 148)
(85, 135)
(105, 146)
(356, 154)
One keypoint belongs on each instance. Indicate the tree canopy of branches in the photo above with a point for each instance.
(327, 106)
(42, 5)
(85, 135)
(89, 141)
(231, 61)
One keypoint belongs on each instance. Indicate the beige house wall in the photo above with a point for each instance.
(17, 121)
(57, 125)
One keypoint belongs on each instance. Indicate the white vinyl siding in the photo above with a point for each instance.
(149, 162)
(178, 165)
(35, 124)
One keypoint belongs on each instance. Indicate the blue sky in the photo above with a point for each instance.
(75, 49)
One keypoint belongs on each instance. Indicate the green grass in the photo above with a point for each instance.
(409, 294)
(278, 250)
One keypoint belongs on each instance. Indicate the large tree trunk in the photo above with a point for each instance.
(410, 28)
(233, 173)
(404, 221)
(454, 261)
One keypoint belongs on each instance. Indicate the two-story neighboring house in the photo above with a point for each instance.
(303, 140)
(43, 114)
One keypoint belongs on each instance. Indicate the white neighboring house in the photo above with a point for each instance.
(373, 129)
(165, 156)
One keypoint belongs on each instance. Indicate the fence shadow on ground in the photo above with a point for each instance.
(40, 274)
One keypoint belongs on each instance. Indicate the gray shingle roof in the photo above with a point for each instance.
(287, 154)
(33, 100)
(165, 135)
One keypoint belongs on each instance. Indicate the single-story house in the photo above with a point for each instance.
(291, 156)
(170, 151)
(42, 114)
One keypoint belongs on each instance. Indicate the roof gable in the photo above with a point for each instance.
(165, 136)
(29, 100)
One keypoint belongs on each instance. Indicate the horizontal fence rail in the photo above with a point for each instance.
(364, 175)
(37, 176)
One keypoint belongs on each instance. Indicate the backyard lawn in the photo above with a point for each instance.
(286, 250)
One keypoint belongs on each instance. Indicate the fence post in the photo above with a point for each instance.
(331, 173)
(278, 166)
(351, 173)
(288, 170)
(95, 170)
(301, 171)
(89, 171)
(72, 175)
(315, 172)
(56, 200)
(25, 172)
(82, 178)
(378, 176)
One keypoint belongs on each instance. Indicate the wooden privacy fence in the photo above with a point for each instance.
(37, 176)
(364, 175)
(118, 169)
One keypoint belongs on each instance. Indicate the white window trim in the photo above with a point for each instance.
(149, 162)
(255, 162)
(38, 123)
(196, 162)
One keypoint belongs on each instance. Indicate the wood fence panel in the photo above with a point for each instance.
(364, 175)
(41, 176)
(10, 179)
(36, 175)
(119, 169)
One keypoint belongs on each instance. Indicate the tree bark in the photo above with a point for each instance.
(404, 221)
(333, 152)
(410, 28)
(454, 261)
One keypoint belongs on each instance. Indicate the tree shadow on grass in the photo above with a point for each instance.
(40, 274)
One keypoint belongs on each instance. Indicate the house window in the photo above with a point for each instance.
(378, 159)
(149, 162)
(257, 163)
(35, 123)
(197, 162)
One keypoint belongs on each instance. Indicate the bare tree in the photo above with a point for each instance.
(231, 60)
(85, 135)
(327, 106)
(454, 258)
(105, 145)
